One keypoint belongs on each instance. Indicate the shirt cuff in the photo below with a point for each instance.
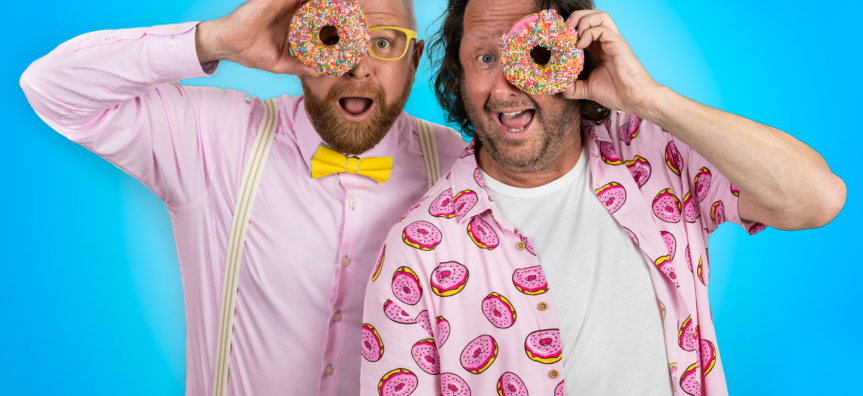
(173, 56)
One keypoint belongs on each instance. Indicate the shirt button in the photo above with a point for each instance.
(353, 203)
(172, 45)
(174, 29)
(109, 38)
(552, 374)
(346, 261)
(330, 370)
(519, 245)
(337, 317)
(542, 306)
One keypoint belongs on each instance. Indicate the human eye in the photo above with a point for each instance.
(485, 59)
(383, 43)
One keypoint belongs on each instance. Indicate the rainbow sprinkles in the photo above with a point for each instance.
(545, 29)
(330, 60)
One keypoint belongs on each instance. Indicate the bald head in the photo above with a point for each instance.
(389, 13)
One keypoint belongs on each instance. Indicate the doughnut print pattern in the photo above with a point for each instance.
(470, 314)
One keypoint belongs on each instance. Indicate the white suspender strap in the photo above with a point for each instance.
(428, 142)
(237, 238)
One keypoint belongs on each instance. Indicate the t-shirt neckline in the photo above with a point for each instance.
(541, 191)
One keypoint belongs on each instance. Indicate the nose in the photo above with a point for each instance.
(503, 90)
(362, 71)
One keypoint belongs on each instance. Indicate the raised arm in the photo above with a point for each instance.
(755, 157)
(117, 92)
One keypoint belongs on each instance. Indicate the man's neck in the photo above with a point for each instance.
(564, 163)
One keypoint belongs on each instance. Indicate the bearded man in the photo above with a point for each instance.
(576, 243)
(312, 235)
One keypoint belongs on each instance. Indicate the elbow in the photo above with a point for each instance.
(29, 83)
(830, 201)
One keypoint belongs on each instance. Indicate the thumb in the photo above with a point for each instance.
(576, 90)
(291, 65)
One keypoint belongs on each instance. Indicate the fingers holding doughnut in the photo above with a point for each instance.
(599, 35)
(591, 19)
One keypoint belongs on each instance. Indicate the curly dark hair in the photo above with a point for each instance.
(444, 55)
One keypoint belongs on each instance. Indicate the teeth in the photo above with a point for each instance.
(514, 114)
(515, 130)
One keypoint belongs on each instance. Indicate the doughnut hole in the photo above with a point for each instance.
(329, 35)
(540, 55)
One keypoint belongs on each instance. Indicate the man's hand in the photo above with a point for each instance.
(619, 82)
(254, 35)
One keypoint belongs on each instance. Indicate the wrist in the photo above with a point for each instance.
(656, 102)
(207, 43)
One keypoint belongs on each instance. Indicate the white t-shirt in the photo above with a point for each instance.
(610, 322)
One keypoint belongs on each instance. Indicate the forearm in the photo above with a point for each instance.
(783, 182)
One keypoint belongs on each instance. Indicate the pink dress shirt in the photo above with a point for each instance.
(311, 243)
(458, 302)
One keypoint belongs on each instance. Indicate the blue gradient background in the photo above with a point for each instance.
(92, 299)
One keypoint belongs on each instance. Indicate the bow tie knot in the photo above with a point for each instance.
(326, 162)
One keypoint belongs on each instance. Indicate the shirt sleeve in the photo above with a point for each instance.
(715, 195)
(117, 94)
(398, 338)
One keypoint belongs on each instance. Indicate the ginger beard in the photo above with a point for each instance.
(553, 125)
(350, 137)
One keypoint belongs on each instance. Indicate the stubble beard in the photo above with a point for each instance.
(553, 126)
(349, 137)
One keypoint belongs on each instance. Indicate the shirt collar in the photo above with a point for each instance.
(309, 140)
(466, 176)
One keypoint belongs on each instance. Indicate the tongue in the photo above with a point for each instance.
(356, 106)
(517, 122)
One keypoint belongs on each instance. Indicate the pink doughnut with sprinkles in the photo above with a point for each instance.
(347, 48)
(544, 29)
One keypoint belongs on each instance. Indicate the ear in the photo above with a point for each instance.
(419, 47)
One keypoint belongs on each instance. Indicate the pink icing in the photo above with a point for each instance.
(629, 130)
(667, 207)
(397, 314)
(510, 384)
(670, 243)
(479, 354)
(530, 280)
(426, 356)
(442, 206)
(422, 235)
(702, 183)
(442, 329)
(639, 168)
(406, 286)
(453, 385)
(498, 311)
(482, 234)
(612, 196)
(449, 278)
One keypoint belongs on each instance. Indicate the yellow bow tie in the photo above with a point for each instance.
(326, 162)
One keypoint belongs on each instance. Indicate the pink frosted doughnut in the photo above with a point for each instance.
(689, 381)
(424, 321)
(453, 385)
(545, 29)
(498, 310)
(479, 354)
(673, 158)
(510, 384)
(640, 170)
(558, 391)
(670, 243)
(687, 337)
(353, 40)
(667, 207)
(421, 235)
(665, 266)
(426, 356)
(395, 313)
(707, 355)
(690, 208)
(612, 196)
(477, 175)
(398, 382)
(373, 347)
(544, 346)
(717, 213)
(442, 329)
(629, 130)
(702, 183)
(442, 206)
(609, 154)
(406, 286)
(449, 278)
(482, 234)
(530, 281)
(464, 202)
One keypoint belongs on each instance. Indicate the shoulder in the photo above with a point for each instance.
(448, 141)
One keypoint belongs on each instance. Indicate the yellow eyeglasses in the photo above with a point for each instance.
(390, 43)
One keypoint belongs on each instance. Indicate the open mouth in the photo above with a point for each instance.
(355, 107)
(515, 121)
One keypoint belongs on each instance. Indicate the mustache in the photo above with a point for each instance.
(356, 90)
(499, 105)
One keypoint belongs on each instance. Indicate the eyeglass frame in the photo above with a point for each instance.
(411, 34)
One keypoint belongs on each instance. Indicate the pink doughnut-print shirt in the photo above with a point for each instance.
(458, 303)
